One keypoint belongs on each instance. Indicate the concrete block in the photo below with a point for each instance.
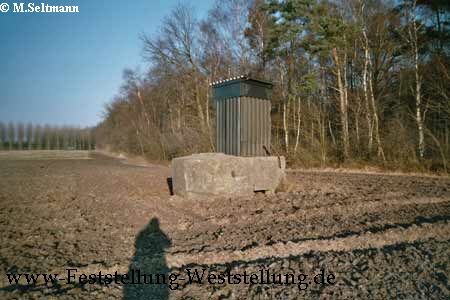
(217, 174)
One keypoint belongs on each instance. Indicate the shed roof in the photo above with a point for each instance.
(241, 78)
(242, 86)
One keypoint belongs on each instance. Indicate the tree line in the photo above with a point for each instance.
(20, 136)
(356, 81)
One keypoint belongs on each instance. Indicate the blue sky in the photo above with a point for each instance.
(61, 68)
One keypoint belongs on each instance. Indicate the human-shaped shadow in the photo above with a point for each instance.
(149, 259)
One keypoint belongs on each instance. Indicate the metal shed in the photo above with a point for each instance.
(243, 116)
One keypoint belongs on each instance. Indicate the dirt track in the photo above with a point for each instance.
(381, 236)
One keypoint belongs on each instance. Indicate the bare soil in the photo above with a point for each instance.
(382, 236)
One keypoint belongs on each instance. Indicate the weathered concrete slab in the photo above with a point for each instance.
(217, 174)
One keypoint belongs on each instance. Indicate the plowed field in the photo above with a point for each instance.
(382, 236)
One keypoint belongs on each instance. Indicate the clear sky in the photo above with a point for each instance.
(61, 68)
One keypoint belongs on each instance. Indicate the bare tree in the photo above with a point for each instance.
(258, 35)
(341, 75)
(371, 64)
(177, 47)
(371, 106)
(412, 39)
(230, 20)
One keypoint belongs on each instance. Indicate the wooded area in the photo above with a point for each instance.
(29, 136)
(356, 82)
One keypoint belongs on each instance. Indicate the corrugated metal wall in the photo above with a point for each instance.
(255, 126)
(243, 126)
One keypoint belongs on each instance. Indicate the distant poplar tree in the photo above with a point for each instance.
(51, 137)
(88, 139)
(82, 139)
(57, 132)
(78, 137)
(11, 135)
(73, 139)
(29, 135)
(2, 135)
(38, 137)
(52, 133)
(47, 136)
(65, 137)
(69, 138)
(20, 135)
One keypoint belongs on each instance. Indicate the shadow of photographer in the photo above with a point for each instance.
(150, 264)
